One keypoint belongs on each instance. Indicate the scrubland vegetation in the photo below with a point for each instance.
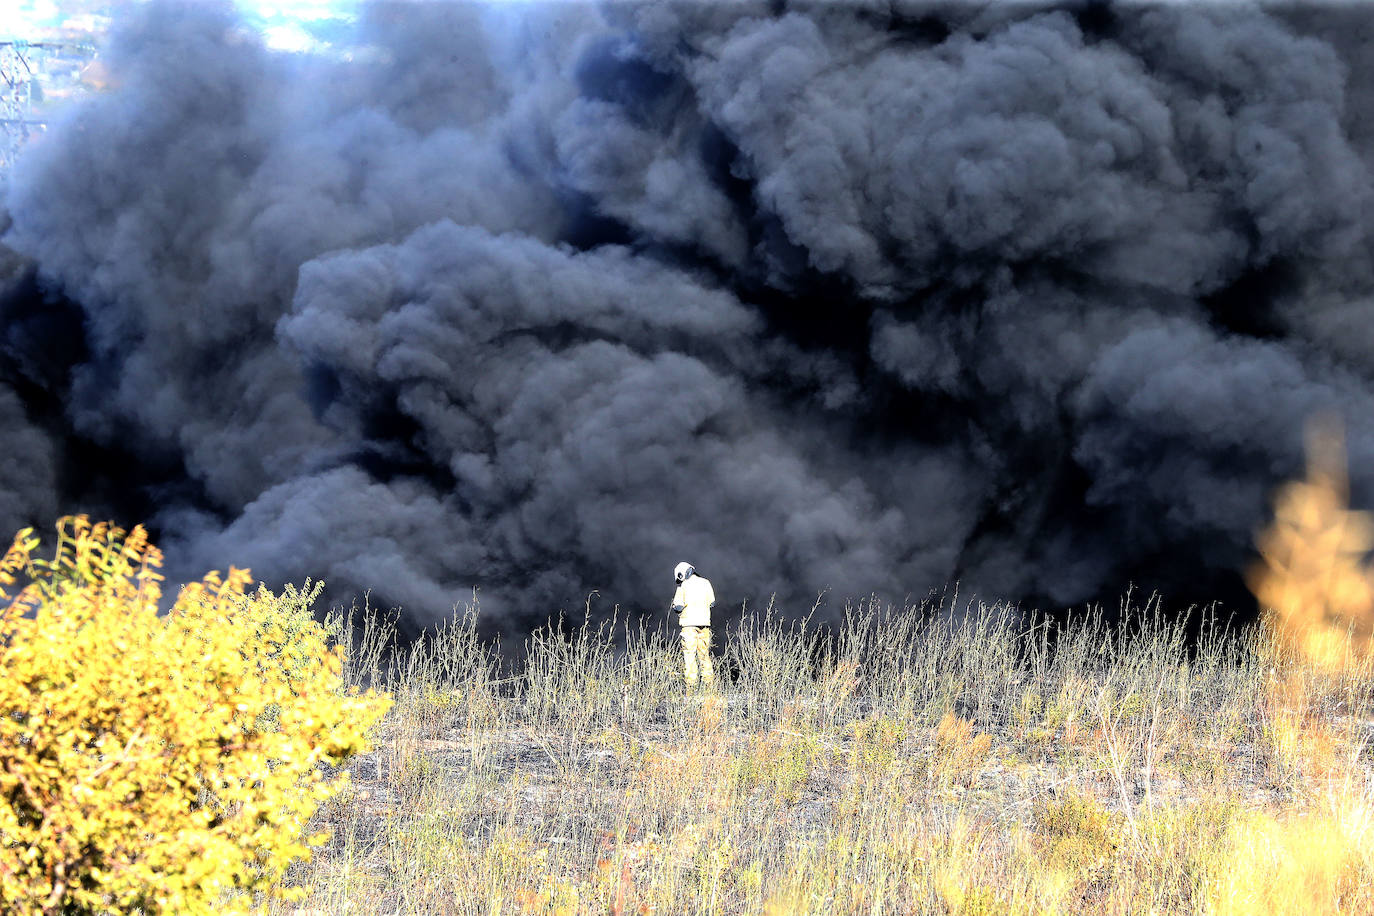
(905, 762)
(950, 758)
(942, 759)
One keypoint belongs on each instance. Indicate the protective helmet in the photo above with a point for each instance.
(683, 572)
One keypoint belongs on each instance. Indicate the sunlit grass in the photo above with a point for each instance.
(941, 758)
(906, 760)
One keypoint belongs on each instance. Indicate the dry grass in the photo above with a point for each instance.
(907, 761)
(910, 760)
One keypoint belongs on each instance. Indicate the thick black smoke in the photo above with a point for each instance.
(868, 296)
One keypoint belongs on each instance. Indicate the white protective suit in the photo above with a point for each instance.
(692, 601)
(695, 596)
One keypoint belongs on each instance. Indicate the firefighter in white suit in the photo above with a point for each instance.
(693, 601)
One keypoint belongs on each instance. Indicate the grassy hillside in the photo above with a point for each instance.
(906, 761)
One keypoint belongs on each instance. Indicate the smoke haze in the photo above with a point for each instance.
(540, 299)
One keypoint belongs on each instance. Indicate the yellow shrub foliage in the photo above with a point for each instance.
(158, 764)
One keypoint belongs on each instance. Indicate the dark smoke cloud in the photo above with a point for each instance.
(541, 299)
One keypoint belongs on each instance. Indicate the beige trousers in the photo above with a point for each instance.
(696, 653)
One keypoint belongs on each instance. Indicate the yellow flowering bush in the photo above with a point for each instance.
(158, 763)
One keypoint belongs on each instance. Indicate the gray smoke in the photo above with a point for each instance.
(541, 299)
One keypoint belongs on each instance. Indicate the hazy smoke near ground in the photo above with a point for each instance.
(540, 299)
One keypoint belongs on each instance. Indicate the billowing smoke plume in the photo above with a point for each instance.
(870, 296)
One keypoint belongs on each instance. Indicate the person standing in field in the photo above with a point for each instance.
(693, 601)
